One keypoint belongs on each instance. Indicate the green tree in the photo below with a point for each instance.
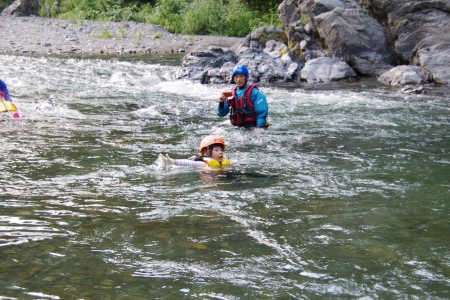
(205, 17)
(169, 14)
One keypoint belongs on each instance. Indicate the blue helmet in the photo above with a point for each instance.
(239, 69)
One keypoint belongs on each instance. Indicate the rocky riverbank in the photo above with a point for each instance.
(42, 36)
(400, 42)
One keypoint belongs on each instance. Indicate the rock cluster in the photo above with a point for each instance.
(402, 42)
(22, 8)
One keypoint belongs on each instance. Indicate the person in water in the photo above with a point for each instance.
(246, 105)
(4, 94)
(211, 154)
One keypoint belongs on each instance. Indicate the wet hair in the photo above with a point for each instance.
(209, 148)
(199, 157)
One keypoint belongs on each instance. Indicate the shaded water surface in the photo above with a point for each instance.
(359, 209)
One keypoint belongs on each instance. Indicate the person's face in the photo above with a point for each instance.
(239, 79)
(217, 153)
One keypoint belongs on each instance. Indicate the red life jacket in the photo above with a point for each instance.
(242, 110)
(2, 96)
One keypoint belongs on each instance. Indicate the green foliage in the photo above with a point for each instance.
(217, 17)
(105, 34)
(231, 18)
(102, 10)
(240, 19)
(262, 5)
(269, 16)
(169, 14)
(5, 3)
(140, 36)
(142, 13)
(205, 17)
(304, 19)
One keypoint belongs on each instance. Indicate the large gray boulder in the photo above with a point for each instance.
(413, 27)
(314, 8)
(326, 69)
(406, 75)
(433, 54)
(207, 65)
(23, 8)
(357, 38)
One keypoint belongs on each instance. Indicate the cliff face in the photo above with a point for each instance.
(372, 36)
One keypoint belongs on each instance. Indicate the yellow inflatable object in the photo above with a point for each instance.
(212, 163)
(7, 106)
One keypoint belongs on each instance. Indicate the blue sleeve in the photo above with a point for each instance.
(222, 111)
(5, 90)
(261, 107)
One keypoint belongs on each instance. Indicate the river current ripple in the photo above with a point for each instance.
(359, 209)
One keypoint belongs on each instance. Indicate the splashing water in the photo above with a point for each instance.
(359, 208)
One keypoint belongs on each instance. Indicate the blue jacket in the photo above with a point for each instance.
(259, 101)
(4, 89)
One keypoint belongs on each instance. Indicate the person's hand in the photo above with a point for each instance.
(224, 96)
(165, 160)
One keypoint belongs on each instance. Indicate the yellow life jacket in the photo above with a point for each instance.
(7, 106)
(212, 163)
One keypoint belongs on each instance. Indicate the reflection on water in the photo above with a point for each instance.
(345, 196)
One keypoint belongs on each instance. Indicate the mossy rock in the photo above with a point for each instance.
(264, 34)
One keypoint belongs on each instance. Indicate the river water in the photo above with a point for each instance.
(359, 209)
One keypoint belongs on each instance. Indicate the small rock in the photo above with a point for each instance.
(414, 90)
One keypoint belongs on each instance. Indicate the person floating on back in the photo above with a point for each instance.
(246, 105)
(211, 154)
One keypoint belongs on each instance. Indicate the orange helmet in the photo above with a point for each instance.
(211, 140)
